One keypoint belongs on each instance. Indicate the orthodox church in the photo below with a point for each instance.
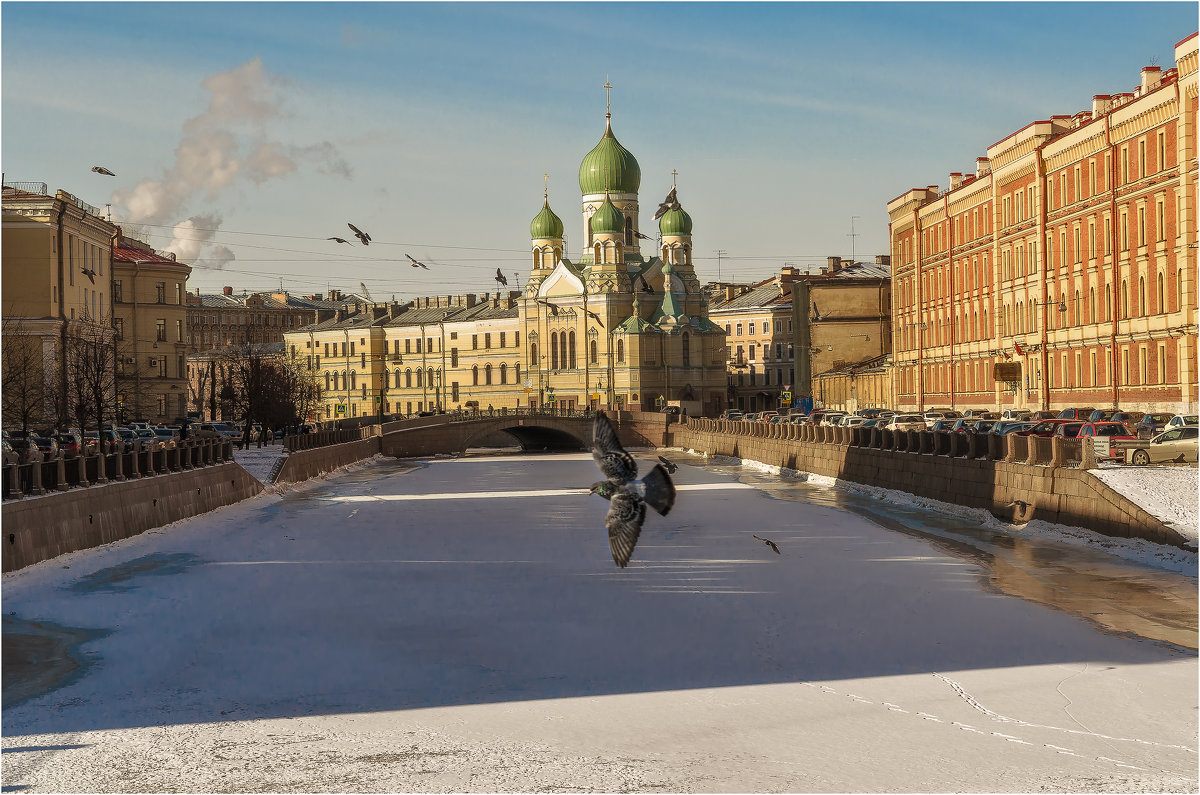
(619, 328)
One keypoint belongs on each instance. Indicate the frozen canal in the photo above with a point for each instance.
(458, 625)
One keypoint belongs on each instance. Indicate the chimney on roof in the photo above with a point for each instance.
(730, 292)
(325, 314)
(341, 313)
(883, 259)
(1101, 103)
(197, 291)
(1151, 78)
(335, 295)
(378, 311)
(393, 310)
(955, 180)
(982, 166)
(227, 290)
(469, 300)
(831, 264)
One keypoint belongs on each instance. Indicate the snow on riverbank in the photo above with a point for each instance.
(1170, 493)
(1137, 550)
(259, 461)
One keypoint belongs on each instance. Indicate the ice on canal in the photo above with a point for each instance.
(459, 625)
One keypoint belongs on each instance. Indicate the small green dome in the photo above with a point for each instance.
(546, 224)
(609, 163)
(608, 219)
(675, 222)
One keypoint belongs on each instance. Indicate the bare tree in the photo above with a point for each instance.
(91, 370)
(25, 375)
(198, 387)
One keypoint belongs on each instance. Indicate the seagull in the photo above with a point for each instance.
(340, 240)
(646, 288)
(594, 317)
(668, 464)
(361, 235)
(416, 264)
(103, 170)
(770, 543)
(668, 203)
(627, 495)
(500, 277)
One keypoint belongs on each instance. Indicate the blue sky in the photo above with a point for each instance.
(429, 125)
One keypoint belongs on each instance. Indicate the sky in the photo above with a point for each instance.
(243, 135)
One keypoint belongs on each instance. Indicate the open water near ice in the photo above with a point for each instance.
(1119, 596)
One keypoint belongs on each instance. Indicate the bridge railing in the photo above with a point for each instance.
(519, 411)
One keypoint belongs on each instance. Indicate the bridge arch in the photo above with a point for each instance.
(542, 434)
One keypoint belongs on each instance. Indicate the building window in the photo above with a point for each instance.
(160, 292)
(160, 327)
(119, 325)
(487, 374)
(503, 373)
(474, 375)
(593, 352)
(487, 341)
(179, 331)
(474, 343)
(686, 341)
(571, 346)
(620, 350)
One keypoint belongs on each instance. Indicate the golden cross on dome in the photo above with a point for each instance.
(607, 98)
(674, 174)
(546, 186)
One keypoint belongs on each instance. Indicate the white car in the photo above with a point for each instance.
(832, 417)
(850, 420)
(930, 417)
(1172, 446)
(906, 422)
(1180, 420)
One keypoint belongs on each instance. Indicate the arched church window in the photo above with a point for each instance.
(533, 357)
(503, 373)
(665, 253)
(687, 349)
(620, 350)
(589, 230)
(420, 378)
(596, 250)
(618, 257)
(571, 338)
(474, 375)
(487, 374)
(537, 258)
(554, 350)
(557, 255)
(628, 231)
(594, 353)
(408, 378)
(562, 350)
(687, 254)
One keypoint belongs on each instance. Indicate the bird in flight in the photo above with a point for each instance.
(103, 170)
(91, 274)
(595, 317)
(628, 496)
(645, 285)
(1019, 504)
(500, 277)
(340, 240)
(416, 264)
(361, 235)
(668, 464)
(770, 543)
(553, 307)
(640, 236)
(668, 203)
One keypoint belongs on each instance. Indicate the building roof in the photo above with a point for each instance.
(764, 295)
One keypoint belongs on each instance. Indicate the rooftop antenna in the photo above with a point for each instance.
(852, 235)
(720, 253)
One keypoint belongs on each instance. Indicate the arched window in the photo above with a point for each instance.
(429, 378)
(628, 231)
(537, 258)
(593, 353)
(554, 350)
(1107, 302)
(1142, 295)
(620, 350)
(1124, 300)
(474, 375)
(596, 252)
(557, 255)
(533, 353)
(571, 347)
(487, 374)
(503, 373)
(408, 378)
(589, 233)
(396, 380)
(619, 256)
(1161, 295)
(327, 382)
(687, 349)
(353, 379)
(665, 253)
(420, 378)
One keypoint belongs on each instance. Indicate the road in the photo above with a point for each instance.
(458, 625)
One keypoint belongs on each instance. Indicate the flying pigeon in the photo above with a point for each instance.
(595, 317)
(668, 203)
(340, 240)
(1019, 504)
(816, 312)
(553, 307)
(91, 274)
(500, 277)
(416, 264)
(669, 465)
(103, 170)
(646, 288)
(770, 543)
(361, 235)
(628, 497)
(640, 236)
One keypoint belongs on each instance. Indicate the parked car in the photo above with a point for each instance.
(71, 444)
(1152, 424)
(1177, 445)
(933, 415)
(1016, 415)
(1180, 420)
(48, 446)
(1103, 435)
(1102, 415)
(1080, 414)
(1038, 416)
(873, 422)
(1043, 428)
(906, 422)
(832, 417)
(944, 425)
(168, 437)
(227, 431)
(851, 420)
(731, 414)
(765, 416)
(11, 458)
(984, 426)
(1002, 428)
(110, 438)
(963, 424)
(149, 440)
(27, 451)
(1069, 429)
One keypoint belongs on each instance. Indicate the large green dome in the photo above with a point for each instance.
(609, 166)
(675, 222)
(608, 219)
(546, 224)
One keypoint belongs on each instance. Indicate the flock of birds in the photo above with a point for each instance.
(627, 495)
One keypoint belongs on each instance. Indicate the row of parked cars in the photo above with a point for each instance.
(25, 447)
(1138, 437)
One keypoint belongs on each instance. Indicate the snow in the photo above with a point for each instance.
(259, 461)
(1169, 493)
(371, 630)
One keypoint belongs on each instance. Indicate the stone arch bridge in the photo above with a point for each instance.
(446, 434)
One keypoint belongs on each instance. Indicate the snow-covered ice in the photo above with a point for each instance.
(374, 631)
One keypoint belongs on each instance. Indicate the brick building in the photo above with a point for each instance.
(1069, 255)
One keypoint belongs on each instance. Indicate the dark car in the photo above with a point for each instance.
(1080, 414)
(1003, 428)
(48, 447)
(70, 443)
(1102, 415)
(1043, 428)
(1038, 416)
(1151, 424)
(1069, 429)
(27, 451)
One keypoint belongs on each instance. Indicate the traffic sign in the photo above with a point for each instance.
(339, 410)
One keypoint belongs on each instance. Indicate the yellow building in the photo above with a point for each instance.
(150, 316)
(56, 291)
(1069, 255)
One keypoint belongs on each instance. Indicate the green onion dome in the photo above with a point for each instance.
(608, 219)
(609, 166)
(546, 224)
(675, 222)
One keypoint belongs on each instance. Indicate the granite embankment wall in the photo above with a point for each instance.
(304, 464)
(40, 528)
(941, 469)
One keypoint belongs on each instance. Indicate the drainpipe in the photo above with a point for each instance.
(920, 249)
(1115, 373)
(950, 279)
(1044, 336)
(62, 315)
